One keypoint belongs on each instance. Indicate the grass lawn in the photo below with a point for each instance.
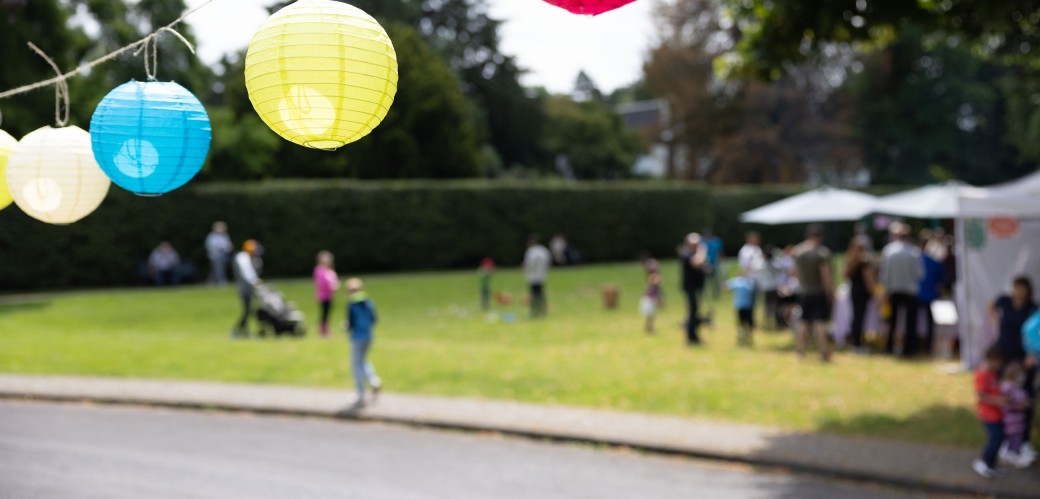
(432, 339)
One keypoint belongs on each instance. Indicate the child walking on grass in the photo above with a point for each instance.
(743, 288)
(361, 318)
(990, 404)
(1016, 403)
(651, 300)
(326, 282)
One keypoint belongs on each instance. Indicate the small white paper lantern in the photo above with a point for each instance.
(53, 176)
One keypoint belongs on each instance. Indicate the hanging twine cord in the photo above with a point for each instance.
(60, 80)
(61, 89)
(152, 41)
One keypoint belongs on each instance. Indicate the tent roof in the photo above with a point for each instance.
(825, 204)
(1020, 198)
(931, 201)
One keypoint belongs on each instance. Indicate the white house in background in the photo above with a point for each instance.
(650, 118)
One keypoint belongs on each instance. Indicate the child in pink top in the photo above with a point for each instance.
(326, 282)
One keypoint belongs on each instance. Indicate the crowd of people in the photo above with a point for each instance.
(797, 285)
(900, 284)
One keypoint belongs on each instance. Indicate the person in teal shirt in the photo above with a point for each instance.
(715, 254)
(361, 319)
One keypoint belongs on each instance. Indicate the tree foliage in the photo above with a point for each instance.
(588, 139)
(736, 131)
(933, 111)
(774, 34)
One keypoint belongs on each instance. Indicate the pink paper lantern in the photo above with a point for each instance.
(589, 7)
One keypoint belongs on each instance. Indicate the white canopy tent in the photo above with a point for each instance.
(999, 238)
(825, 204)
(932, 201)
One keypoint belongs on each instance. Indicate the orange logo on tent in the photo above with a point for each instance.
(1003, 227)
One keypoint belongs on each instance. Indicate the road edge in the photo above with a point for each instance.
(553, 436)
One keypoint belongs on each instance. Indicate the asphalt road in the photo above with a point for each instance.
(80, 451)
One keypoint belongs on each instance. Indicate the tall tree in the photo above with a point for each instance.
(588, 139)
(732, 131)
(585, 89)
(680, 71)
(932, 111)
(775, 34)
(429, 131)
(46, 23)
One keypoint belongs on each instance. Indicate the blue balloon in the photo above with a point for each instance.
(150, 137)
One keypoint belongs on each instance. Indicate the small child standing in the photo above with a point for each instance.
(487, 267)
(651, 300)
(990, 402)
(743, 289)
(1016, 402)
(361, 318)
(326, 282)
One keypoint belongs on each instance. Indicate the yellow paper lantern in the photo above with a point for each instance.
(321, 73)
(7, 145)
(53, 177)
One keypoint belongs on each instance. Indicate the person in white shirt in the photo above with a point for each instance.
(164, 265)
(247, 280)
(750, 257)
(752, 261)
(537, 260)
(218, 250)
(901, 272)
(558, 245)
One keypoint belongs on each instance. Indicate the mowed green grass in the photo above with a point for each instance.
(432, 339)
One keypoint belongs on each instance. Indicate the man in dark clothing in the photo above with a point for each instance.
(813, 266)
(692, 259)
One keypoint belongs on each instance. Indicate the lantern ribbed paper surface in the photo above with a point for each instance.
(321, 74)
(7, 145)
(589, 7)
(150, 137)
(53, 177)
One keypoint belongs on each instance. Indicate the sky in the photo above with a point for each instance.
(551, 43)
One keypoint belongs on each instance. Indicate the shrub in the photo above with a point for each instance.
(384, 226)
(369, 226)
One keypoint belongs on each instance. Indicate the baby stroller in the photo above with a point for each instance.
(278, 315)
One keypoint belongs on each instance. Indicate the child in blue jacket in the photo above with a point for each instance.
(361, 317)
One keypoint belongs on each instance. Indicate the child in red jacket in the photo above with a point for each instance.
(990, 404)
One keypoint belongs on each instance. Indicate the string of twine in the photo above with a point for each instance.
(151, 68)
(60, 80)
(61, 89)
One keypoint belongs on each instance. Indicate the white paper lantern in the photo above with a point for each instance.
(53, 176)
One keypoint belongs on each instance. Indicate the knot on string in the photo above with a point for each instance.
(61, 89)
(151, 64)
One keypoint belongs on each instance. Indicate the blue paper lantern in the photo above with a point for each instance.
(150, 137)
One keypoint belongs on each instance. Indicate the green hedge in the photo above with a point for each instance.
(380, 226)
(369, 226)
